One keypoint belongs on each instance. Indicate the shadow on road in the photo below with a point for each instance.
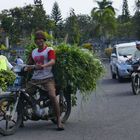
(113, 81)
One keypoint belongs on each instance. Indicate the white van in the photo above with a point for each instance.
(119, 65)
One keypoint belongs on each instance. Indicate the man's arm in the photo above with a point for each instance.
(51, 58)
(50, 63)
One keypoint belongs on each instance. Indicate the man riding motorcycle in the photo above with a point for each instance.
(43, 58)
(137, 52)
(135, 77)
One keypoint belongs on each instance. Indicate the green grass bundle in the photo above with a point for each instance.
(76, 69)
(7, 78)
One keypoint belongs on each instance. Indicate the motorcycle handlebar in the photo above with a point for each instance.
(23, 67)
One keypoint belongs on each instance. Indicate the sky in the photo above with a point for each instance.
(80, 6)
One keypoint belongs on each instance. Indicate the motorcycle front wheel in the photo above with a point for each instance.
(10, 120)
(135, 83)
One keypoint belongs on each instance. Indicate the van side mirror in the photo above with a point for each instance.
(113, 55)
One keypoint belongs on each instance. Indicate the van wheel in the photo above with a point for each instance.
(120, 79)
(113, 75)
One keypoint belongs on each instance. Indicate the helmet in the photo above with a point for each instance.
(40, 35)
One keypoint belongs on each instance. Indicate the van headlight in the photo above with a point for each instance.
(121, 62)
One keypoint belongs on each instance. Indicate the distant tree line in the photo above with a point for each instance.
(102, 24)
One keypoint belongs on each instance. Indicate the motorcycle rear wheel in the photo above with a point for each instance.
(9, 125)
(65, 108)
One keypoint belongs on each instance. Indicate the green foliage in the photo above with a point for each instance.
(20, 22)
(76, 69)
(7, 78)
(136, 25)
(39, 18)
(86, 27)
(104, 18)
(88, 46)
(56, 13)
(125, 30)
(3, 47)
(58, 23)
(125, 11)
(72, 28)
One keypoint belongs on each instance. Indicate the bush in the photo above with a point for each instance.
(7, 78)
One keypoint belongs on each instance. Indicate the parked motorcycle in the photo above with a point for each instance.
(135, 77)
(17, 106)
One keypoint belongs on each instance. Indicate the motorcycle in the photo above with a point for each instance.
(135, 77)
(17, 106)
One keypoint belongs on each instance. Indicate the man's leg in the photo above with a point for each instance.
(50, 85)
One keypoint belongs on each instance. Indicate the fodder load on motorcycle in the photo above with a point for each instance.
(75, 69)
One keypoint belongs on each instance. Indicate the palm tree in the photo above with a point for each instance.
(104, 20)
(105, 4)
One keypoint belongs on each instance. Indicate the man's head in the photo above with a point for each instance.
(40, 38)
(138, 45)
(40, 35)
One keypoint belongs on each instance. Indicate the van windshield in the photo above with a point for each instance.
(127, 50)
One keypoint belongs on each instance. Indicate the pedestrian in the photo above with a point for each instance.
(4, 63)
(19, 60)
(43, 57)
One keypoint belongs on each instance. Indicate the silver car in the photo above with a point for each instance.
(120, 65)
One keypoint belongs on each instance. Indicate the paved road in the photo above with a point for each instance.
(111, 113)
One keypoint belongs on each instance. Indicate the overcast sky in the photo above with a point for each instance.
(80, 6)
